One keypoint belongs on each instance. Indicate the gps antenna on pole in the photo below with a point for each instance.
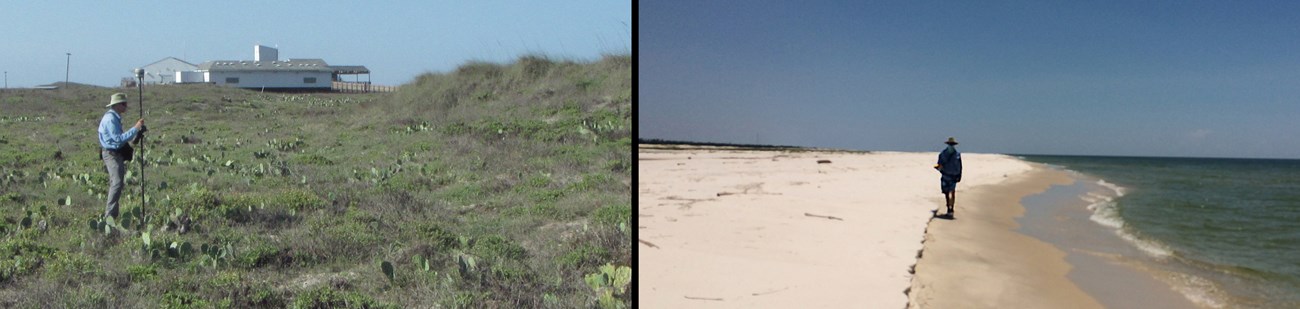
(139, 76)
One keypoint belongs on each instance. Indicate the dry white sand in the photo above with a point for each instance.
(769, 229)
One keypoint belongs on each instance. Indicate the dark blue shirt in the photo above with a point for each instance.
(950, 163)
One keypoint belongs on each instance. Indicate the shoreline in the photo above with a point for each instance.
(1118, 270)
(979, 260)
(1204, 227)
(1039, 249)
(745, 228)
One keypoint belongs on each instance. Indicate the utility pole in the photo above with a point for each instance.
(67, 69)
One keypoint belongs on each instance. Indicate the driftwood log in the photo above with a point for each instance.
(824, 217)
(648, 243)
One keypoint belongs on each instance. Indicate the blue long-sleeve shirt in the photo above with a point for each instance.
(110, 131)
(950, 163)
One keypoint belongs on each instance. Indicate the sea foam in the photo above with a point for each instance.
(1105, 211)
(1119, 191)
(1154, 249)
(1198, 290)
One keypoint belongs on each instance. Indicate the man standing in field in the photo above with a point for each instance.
(114, 148)
(949, 167)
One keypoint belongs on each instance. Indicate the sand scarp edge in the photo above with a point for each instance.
(912, 268)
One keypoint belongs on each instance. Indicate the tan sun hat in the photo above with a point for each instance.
(117, 98)
(951, 141)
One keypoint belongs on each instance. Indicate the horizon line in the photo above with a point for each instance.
(659, 141)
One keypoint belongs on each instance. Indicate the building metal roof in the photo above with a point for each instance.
(294, 65)
(350, 69)
(165, 59)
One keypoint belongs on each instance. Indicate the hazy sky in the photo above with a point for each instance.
(396, 40)
(1150, 78)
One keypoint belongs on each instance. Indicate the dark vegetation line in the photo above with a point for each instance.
(690, 143)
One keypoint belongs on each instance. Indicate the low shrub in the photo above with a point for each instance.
(325, 297)
(441, 238)
(67, 267)
(612, 215)
(313, 159)
(183, 299)
(142, 272)
(498, 246)
(297, 199)
(20, 256)
(582, 257)
(260, 254)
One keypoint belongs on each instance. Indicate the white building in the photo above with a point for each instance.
(188, 77)
(267, 71)
(273, 74)
(261, 53)
(164, 71)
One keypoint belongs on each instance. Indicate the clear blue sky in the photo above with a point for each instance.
(1148, 78)
(396, 40)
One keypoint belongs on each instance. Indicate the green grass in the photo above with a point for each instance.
(510, 181)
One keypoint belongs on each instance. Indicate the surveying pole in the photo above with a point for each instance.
(139, 76)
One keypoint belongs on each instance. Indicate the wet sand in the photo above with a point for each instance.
(979, 261)
(1107, 267)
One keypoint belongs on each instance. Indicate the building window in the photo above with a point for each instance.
(309, 80)
(232, 80)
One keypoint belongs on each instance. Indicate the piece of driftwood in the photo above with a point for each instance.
(647, 243)
(725, 193)
(770, 292)
(823, 161)
(824, 217)
(703, 298)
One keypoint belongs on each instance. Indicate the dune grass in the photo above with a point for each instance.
(497, 185)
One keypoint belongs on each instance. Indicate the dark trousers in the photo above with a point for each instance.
(114, 163)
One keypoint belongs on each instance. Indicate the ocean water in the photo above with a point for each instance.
(1225, 232)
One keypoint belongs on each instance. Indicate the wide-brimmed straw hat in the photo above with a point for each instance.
(117, 98)
(951, 141)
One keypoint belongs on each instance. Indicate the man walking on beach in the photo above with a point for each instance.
(949, 167)
(114, 148)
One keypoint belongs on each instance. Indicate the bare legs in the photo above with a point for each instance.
(950, 198)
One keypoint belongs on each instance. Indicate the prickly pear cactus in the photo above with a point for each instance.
(388, 270)
(420, 262)
(619, 277)
(610, 282)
